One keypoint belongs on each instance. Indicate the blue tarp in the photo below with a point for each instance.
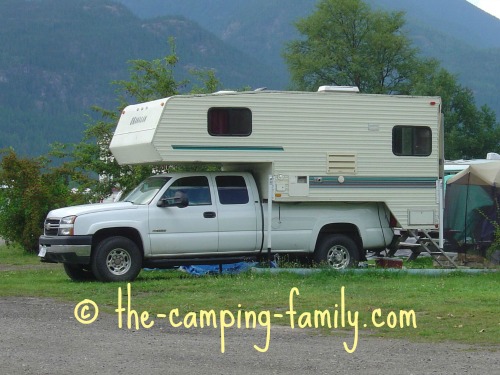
(214, 269)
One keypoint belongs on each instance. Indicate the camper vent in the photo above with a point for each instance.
(341, 164)
(338, 89)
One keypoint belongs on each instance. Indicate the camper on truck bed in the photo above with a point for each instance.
(338, 173)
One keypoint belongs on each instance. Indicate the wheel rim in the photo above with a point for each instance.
(118, 261)
(338, 257)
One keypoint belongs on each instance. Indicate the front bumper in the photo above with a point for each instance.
(65, 249)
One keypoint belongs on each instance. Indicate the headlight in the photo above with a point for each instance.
(68, 220)
(66, 226)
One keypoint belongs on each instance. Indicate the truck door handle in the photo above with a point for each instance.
(209, 214)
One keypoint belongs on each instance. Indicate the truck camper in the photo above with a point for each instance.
(329, 174)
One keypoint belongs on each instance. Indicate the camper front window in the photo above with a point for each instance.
(232, 122)
(411, 140)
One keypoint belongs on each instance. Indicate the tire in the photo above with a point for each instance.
(338, 251)
(116, 259)
(78, 272)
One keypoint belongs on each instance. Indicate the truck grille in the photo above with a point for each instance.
(51, 227)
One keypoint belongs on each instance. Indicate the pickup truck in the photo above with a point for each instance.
(205, 218)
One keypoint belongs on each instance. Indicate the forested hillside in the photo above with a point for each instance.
(58, 57)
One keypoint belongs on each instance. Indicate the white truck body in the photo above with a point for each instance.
(345, 170)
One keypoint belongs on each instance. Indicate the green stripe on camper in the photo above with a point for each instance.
(371, 182)
(227, 148)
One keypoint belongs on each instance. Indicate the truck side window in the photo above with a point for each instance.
(232, 190)
(411, 140)
(229, 122)
(196, 188)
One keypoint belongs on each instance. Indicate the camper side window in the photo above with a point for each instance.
(232, 190)
(224, 122)
(411, 140)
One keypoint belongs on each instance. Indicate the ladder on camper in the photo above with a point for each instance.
(426, 243)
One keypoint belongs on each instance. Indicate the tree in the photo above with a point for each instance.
(28, 191)
(470, 132)
(91, 158)
(345, 43)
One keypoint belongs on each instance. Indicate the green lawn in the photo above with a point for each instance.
(456, 307)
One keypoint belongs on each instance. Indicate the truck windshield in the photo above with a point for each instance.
(146, 191)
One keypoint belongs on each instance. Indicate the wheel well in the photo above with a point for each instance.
(347, 229)
(129, 233)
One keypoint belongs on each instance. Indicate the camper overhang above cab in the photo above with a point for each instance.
(133, 137)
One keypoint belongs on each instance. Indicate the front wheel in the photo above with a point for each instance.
(337, 251)
(116, 259)
(78, 272)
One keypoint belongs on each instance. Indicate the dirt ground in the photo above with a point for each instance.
(42, 336)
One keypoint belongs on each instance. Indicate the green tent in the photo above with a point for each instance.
(471, 207)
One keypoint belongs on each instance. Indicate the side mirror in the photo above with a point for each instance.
(180, 202)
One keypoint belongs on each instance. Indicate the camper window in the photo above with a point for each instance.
(411, 140)
(235, 122)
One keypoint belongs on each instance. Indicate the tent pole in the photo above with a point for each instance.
(466, 210)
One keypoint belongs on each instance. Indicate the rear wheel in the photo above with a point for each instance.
(116, 259)
(337, 251)
(78, 272)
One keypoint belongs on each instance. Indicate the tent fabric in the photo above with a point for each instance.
(485, 174)
(471, 205)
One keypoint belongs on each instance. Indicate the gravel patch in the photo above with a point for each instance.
(42, 336)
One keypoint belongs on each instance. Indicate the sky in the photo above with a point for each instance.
(490, 6)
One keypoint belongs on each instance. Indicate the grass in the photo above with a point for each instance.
(13, 255)
(454, 307)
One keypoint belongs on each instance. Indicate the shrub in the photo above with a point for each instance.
(28, 191)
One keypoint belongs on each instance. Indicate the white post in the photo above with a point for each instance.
(441, 212)
(270, 195)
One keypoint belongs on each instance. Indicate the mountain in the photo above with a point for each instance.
(465, 39)
(59, 57)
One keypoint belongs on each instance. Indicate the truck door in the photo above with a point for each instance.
(237, 213)
(186, 230)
